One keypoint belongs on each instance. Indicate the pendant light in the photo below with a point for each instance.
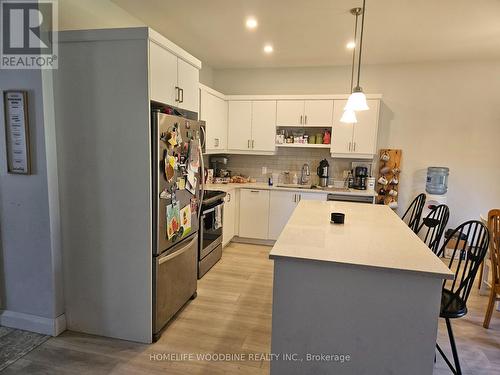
(349, 116)
(357, 99)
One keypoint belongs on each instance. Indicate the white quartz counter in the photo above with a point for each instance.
(372, 236)
(264, 186)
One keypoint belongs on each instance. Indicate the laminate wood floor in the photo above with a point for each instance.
(232, 314)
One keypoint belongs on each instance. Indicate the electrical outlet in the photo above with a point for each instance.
(264, 170)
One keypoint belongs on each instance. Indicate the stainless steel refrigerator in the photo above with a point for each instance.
(177, 162)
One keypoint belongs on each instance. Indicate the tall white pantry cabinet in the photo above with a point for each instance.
(103, 88)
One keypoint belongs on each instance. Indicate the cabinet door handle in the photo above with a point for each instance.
(295, 198)
(216, 142)
(177, 93)
(253, 142)
(354, 146)
(254, 191)
(349, 146)
(299, 196)
(305, 119)
(229, 197)
(301, 119)
(181, 96)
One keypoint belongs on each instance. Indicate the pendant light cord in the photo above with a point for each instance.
(354, 51)
(361, 39)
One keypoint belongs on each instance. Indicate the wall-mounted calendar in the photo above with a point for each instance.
(17, 131)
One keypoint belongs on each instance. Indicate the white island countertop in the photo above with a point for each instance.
(372, 236)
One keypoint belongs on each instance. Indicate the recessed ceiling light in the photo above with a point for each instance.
(350, 45)
(251, 23)
(268, 48)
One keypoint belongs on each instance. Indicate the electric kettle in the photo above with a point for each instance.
(323, 172)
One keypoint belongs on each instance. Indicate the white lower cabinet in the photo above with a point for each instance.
(281, 206)
(254, 214)
(231, 204)
(260, 214)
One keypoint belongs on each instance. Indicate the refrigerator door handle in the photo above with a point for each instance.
(202, 178)
(177, 252)
(203, 142)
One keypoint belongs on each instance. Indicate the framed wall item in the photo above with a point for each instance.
(17, 131)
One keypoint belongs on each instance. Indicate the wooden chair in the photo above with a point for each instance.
(494, 227)
(413, 214)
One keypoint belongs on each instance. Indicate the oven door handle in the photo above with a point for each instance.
(208, 211)
(177, 252)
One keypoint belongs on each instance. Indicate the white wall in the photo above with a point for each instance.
(31, 287)
(32, 294)
(443, 114)
(207, 75)
(93, 14)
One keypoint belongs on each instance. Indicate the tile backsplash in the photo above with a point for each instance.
(285, 159)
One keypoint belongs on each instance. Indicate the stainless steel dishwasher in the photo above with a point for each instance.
(350, 198)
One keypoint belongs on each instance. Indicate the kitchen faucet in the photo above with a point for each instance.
(304, 175)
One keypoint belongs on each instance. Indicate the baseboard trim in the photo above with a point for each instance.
(33, 323)
(253, 241)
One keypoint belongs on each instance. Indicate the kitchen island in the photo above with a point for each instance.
(361, 297)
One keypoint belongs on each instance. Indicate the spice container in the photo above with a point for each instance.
(319, 138)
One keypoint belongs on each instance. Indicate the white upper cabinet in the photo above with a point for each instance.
(251, 126)
(263, 125)
(173, 80)
(366, 130)
(304, 112)
(290, 112)
(239, 134)
(213, 110)
(318, 112)
(163, 71)
(355, 140)
(188, 78)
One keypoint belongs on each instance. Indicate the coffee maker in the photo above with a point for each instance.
(360, 176)
(323, 171)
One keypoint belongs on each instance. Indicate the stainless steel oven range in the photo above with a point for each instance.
(210, 239)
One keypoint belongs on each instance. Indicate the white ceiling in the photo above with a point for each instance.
(314, 32)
